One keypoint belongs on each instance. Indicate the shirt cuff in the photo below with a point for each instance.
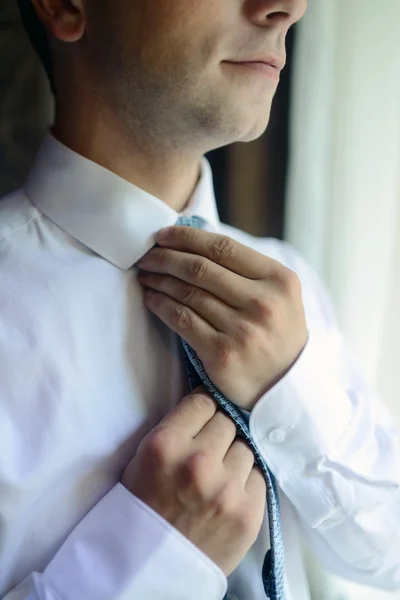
(306, 413)
(123, 549)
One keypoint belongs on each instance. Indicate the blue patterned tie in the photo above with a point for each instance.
(273, 569)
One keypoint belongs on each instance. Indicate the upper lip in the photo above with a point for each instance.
(271, 59)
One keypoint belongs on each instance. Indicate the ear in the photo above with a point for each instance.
(64, 19)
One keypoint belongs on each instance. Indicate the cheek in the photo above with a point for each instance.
(174, 32)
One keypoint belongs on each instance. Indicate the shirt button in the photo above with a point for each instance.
(277, 436)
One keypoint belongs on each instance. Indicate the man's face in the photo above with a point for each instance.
(168, 63)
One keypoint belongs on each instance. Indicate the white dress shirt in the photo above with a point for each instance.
(86, 371)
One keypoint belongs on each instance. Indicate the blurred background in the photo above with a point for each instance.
(325, 176)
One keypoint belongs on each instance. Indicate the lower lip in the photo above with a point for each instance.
(260, 68)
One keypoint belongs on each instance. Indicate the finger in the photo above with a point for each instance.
(220, 249)
(256, 483)
(200, 272)
(192, 413)
(239, 461)
(217, 435)
(215, 312)
(183, 320)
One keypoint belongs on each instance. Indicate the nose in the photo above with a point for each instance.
(275, 13)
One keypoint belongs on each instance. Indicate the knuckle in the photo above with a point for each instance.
(226, 503)
(286, 279)
(187, 234)
(274, 308)
(224, 350)
(188, 294)
(202, 403)
(223, 247)
(181, 317)
(246, 332)
(262, 307)
(290, 282)
(276, 272)
(194, 470)
(159, 445)
(244, 518)
(162, 256)
(198, 270)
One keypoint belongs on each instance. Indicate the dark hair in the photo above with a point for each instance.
(38, 36)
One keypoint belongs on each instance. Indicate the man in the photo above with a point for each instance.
(115, 482)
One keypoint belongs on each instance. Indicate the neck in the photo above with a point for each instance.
(166, 172)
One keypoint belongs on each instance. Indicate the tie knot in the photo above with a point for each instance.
(193, 221)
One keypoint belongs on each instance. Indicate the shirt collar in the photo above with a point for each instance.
(106, 213)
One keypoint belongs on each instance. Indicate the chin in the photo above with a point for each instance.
(250, 128)
(253, 132)
(225, 127)
(250, 136)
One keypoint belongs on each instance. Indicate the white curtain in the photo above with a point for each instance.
(343, 206)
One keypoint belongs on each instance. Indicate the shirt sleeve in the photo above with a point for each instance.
(124, 550)
(333, 448)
